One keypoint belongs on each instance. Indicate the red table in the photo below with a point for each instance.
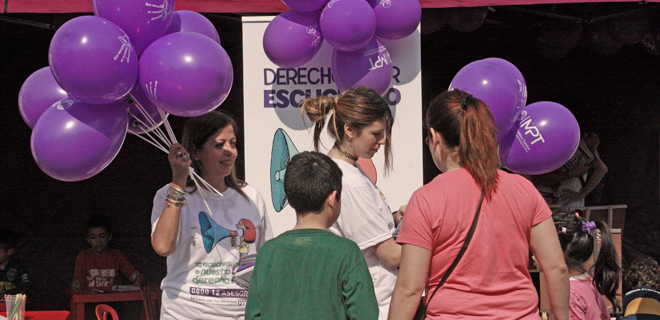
(43, 315)
(78, 300)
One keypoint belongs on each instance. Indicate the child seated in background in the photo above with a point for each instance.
(309, 272)
(13, 274)
(99, 268)
(643, 301)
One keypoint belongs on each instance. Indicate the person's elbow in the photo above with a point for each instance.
(389, 252)
(392, 261)
(557, 268)
(162, 249)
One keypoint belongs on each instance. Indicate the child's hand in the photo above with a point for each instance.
(397, 215)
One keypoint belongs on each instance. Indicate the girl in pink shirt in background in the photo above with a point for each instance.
(592, 264)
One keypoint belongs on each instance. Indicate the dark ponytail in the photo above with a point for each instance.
(607, 270)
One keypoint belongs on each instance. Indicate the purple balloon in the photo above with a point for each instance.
(39, 91)
(396, 19)
(348, 25)
(302, 34)
(186, 74)
(496, 86)
(148, 115)
(522, 85)
(144, 21)
(191, 21)
(370, 66)
(93, 60)
(305, 5)
(546, 136)
(74, 140)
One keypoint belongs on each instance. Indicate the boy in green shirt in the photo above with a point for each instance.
(309, 272)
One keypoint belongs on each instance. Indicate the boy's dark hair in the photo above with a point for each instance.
(7, 239)
(97, 221)
(310, 178)
(643, 271)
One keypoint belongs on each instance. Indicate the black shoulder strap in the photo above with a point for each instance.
(460, 253)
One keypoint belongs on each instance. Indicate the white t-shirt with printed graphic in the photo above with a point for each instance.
(199, 284)
(366, 219)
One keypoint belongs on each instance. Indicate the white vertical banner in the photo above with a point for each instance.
(275, 129)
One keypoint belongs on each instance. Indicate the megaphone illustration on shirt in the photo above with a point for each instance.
(212, 233)
(283, 151)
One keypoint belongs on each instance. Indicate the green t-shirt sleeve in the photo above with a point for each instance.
(358, 290)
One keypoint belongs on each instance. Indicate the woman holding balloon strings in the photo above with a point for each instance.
(200, 245)
(491, 281)
(360, 123)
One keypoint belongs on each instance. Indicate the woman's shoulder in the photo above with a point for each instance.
(514, 179)
(250, 191)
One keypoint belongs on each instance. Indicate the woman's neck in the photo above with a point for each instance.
(216, 182)
(335, 153)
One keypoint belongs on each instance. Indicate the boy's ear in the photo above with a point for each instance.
(331, 200)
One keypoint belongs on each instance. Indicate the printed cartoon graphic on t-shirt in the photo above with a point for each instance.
(249, 236)
(220, 273)
(212, 233)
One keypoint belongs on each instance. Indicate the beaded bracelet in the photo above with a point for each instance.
(176, 194)
(176, 203)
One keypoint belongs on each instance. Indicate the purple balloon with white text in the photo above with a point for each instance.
(143, 20)
(73, 140)
(186, 74)
(370, 66)
(496, 86)
(522, 85)
(191, 21)
(93, 60)
(396, 19)
(305, 5)
(39, 91)
(546, 136)
(348, 25)
(302, 34)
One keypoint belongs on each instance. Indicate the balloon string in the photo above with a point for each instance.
(167, 126)
(197, 179)
(157, 131)
(155, 144)
(143, 111)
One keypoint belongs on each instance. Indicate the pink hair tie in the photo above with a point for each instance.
(563, 230)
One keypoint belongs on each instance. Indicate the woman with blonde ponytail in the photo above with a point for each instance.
(360, 122)
(491, 280)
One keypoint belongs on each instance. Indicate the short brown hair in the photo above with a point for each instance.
(643, 271)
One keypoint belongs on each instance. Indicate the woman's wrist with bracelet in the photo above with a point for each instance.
(175, 196)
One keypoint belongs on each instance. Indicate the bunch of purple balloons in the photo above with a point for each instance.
(352, 28)
(533, 139)
(133, 60)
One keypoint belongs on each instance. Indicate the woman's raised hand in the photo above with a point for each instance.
(180, 162)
